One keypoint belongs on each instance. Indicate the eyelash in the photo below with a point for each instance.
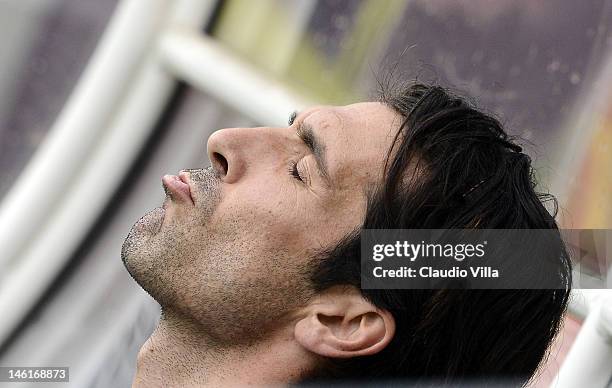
(294, 172)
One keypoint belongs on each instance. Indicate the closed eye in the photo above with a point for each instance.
(295, 172)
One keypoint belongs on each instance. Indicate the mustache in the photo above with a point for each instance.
(203, 173)
(206, 182)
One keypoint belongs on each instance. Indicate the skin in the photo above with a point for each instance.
(231, 268)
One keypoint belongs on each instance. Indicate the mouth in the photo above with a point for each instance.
(178, 187)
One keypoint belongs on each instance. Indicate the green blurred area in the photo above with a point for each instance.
(270, 34)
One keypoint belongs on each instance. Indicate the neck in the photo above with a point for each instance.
(178, 353)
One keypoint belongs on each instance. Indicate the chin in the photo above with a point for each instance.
(139, 245)
(151, 223)
(141, 263)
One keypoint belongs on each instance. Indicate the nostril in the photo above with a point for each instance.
(220, 162)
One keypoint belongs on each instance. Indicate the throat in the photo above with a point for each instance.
(179, 353)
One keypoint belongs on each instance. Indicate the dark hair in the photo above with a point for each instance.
(451, 166)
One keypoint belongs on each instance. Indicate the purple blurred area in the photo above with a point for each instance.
(44, 48)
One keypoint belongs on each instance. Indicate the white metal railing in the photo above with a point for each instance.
(583, 301)
(589, 360)
(206, 65)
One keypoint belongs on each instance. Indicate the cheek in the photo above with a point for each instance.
(274, 216)
(265, 212)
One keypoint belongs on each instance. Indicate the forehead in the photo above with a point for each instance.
(357, 138)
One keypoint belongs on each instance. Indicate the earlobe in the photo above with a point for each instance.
(345, 326)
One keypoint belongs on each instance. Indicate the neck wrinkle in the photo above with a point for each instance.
(179, 354)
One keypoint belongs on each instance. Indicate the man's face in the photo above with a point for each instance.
(234, 257)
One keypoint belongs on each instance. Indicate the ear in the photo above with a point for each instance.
(340, 323)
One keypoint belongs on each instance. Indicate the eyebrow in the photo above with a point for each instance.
(315, 145)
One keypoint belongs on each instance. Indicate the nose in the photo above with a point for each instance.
(233, 151)
(219, 151)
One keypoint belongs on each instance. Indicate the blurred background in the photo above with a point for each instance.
(100, 98)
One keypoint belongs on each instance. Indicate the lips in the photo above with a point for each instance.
(178, 187)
